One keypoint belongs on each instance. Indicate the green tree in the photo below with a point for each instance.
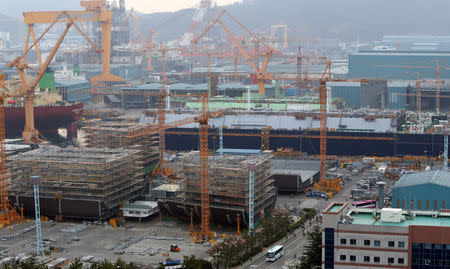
(77, 264)
(30, 265)
(193, 263)
(105, 264)
(313, 251)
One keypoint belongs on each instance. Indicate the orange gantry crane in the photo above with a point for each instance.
(259, 75)
(8, 215)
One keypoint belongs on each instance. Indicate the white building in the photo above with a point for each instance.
(384, 238)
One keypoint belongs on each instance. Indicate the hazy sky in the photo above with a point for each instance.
(150, 6)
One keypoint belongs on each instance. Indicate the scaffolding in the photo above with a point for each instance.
(229, 180)
(110, 176)
(112, 134)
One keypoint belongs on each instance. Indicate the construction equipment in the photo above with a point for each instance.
(95, 11)
(259, 76)
(200, 12)
(251, 197)
(273, 30)
(174, 248)
(8, 215)
(149, 43)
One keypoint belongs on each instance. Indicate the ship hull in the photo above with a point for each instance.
(181, 210)
(338, 143)
(47, 119)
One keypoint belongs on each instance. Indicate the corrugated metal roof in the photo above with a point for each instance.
(438, 177)
(70, 82)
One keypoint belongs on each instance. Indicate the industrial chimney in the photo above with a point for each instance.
(381, 193)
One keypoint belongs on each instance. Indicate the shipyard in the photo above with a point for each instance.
(223, 134)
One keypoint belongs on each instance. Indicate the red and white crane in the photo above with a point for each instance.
(199, 15)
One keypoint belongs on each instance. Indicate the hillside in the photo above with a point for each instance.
(349, 20)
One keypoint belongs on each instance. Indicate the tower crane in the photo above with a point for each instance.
(147, 42)
(259, 75)
(8, 215)
(202, 119)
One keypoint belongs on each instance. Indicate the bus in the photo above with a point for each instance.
(365, 204)
(274, 253)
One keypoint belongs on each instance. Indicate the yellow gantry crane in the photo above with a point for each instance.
(94, 11)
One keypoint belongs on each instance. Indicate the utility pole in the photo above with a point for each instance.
(446, 151)
(251, 197)
(221, 137)
(35, 180)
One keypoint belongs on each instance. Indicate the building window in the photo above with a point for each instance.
(437, 246)
(414, 261)
(391, 243)
(427, 246)
(401, 244)
(352, 258)
(401, 261)
(376, 243)
(343, 257)
(343, 241)
(352, 241)
(366, 258)
(376, 259)
(427, 261)
(366, 242)
(390, 260)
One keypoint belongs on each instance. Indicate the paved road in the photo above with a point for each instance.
(294, 245)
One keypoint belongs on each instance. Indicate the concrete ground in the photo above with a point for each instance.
(146, 243)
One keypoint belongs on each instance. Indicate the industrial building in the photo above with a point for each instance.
(75, 90)
(384, 238)
(416, 42)
(77, 183)
(397, 65)
(422, 191)
(229, 187)
(295, 175)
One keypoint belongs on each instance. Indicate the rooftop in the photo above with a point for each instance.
(424, 220)
(438, 177)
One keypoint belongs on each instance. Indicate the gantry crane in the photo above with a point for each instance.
(260, 76)
(8, 215)
(95, 11)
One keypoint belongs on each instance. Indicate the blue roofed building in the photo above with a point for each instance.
(428, 190)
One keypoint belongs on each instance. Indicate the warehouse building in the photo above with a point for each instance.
(295, 175)
(422, 191)
(416, 42)
(397, 65)
(374, 93)
(384, 238)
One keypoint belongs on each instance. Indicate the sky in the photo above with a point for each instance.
(150, 6)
